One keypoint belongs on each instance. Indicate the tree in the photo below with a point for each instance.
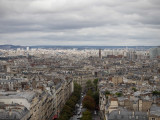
(119, 94)
(68, 110)
(64, 116)
(89, 84)
(134, 89)
(86, 115)
(90, 93)
(70, 103)
(77, 90)
(96, 97)
(88, 102)
(156, 93)
(95, 83)
(107, 92)
(74, 99)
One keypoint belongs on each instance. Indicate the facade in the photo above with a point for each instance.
(154, 112)
(155, 52)
(38, 104)
(117, 80)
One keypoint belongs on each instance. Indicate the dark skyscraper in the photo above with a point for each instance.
(100, 56)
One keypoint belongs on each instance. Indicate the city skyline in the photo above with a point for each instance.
(80, 23)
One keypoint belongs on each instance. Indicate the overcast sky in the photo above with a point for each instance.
(80, 22)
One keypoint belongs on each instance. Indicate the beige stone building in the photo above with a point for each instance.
(117, 80)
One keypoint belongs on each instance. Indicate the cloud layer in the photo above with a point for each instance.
(80, 22)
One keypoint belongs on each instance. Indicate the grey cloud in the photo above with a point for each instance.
(80, 22)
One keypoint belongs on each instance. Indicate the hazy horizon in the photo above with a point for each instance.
(86, 45)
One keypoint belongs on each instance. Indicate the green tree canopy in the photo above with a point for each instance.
(107, 92)
(156, 93)
(70, 103)
(64, 117)
(86, 115)
(119, 94)
(89, 84)
(90, 93)
(88, 102)
(134, 89)
(96, 97)
(95, 83)
(67, 110)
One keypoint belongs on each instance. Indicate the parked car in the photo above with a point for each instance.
(79, 116)
(81, 106)
(77, 105)
(79, 112)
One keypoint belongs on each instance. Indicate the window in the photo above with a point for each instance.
(153, 119)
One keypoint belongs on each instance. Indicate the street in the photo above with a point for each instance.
(79, 110)
(95, 116)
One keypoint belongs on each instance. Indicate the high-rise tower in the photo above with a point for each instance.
(154, 52)
(100, 56)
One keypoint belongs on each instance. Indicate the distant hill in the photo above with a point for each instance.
(6, 47)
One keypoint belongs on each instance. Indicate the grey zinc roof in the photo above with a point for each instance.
(127, 115)
(122, 98)
(27, 95)
(155, 110)
(16, 114)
